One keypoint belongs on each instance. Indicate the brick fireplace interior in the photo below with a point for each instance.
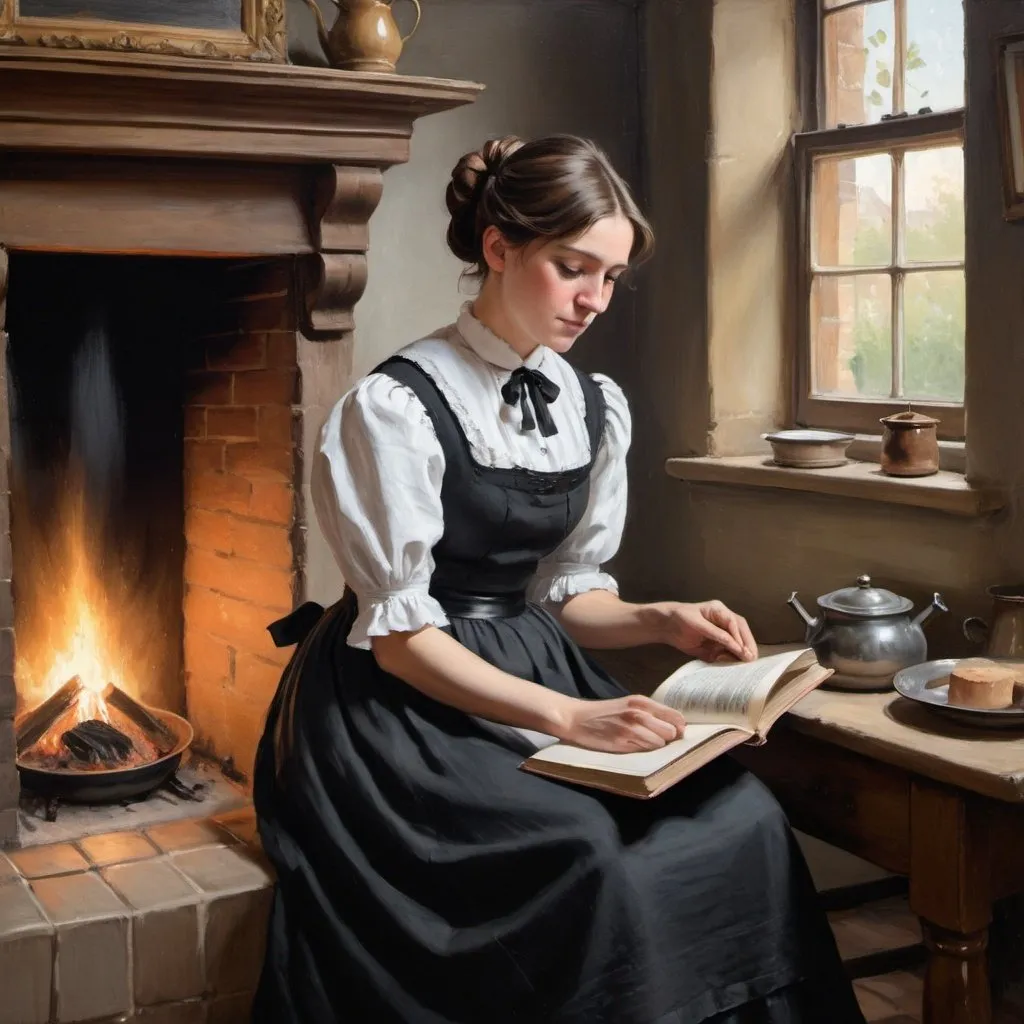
(155, 482)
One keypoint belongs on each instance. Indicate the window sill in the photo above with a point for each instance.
(943, 492)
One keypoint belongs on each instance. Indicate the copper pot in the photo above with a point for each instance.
(1003, 634)
(910, 444)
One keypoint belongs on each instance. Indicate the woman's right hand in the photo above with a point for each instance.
(622, 725)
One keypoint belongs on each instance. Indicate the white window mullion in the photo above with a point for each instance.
(896, 316)
(900, 58)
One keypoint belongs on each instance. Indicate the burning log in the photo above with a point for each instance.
(155, 731)
(35, 723)
(44, 731)
(98, 743)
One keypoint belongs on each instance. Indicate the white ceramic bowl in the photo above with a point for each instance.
(809, 449)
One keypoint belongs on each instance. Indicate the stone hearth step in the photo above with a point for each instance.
(164, 925)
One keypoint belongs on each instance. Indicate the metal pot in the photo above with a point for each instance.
(1003, 637)
(866, 634)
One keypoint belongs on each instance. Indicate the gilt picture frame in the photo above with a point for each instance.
(214, 29)
(1010, 70)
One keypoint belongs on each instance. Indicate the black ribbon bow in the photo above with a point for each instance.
(530, 387)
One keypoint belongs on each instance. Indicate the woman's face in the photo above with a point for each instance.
(550, 292)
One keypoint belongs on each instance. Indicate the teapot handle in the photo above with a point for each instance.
(975, 629)
(416, 24)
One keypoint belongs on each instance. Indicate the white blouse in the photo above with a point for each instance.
(376, 479)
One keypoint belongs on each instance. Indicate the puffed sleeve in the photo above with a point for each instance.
(376, 487)
(575, 566)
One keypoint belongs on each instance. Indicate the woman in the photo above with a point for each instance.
(471, 488)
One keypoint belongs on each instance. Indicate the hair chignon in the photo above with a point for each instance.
(550, 188)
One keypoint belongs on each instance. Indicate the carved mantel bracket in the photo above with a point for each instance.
(334, 277)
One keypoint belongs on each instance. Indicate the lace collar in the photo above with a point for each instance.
(491, 349)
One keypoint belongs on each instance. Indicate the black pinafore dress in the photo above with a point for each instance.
(422, 878)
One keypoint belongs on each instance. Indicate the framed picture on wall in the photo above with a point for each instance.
(229, 29)
(1010, 65)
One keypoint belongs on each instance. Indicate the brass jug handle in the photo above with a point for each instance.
(416, 24)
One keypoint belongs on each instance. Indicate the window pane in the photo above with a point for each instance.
(934, 204)
(933, 328)
(853, 211)
(858, 63)
(851, 332)
(935, 54)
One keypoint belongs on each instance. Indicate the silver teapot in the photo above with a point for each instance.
(866, 634)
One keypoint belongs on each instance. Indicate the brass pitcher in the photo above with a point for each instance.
(1003, 637)
(364, 36)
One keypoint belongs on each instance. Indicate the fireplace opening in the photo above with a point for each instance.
(96, 378)
(152, 519)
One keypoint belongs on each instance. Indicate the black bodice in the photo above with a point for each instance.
(498, 523)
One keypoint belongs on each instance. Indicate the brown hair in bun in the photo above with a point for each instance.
(551, 188)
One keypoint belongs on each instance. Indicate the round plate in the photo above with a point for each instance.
(928, 684)
(807, 436)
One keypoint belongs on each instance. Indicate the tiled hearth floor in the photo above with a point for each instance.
(165, 925)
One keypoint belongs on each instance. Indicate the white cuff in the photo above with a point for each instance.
(400, 611)
(562, 580)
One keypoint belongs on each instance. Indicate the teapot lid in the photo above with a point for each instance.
(865, 600)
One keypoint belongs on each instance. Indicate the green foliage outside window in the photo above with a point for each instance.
(933, 311)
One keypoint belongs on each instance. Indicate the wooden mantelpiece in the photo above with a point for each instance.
(176, 106)
(153, 155)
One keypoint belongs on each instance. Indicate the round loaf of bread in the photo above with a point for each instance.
(980, 683)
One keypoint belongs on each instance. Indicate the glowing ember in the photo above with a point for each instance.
(49, 752)
(51, 736)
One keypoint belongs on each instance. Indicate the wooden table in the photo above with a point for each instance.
(889, 781)
(880, 777)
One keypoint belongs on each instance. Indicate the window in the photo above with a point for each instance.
(882, 213)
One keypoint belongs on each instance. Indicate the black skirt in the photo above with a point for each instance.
(424, 879)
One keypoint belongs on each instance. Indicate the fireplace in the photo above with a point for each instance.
(154, 481)
(177, 279)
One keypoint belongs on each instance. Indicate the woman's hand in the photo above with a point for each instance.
(706, 630)
(621, 725)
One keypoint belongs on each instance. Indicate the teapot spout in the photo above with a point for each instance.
(795, 604)
(937, 605)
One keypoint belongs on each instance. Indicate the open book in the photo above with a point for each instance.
(725, 703)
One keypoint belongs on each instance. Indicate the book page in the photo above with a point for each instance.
(640, 763)
(728, 692)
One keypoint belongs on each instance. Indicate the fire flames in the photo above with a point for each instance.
(81, 636)
(77, 618)
(97, 592)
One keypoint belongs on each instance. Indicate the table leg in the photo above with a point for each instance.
(956, 984)
(950, 892)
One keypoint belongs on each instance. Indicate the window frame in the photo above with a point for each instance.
(895, 132)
